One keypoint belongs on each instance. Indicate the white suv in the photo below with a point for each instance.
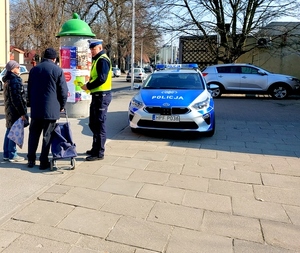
(23, 69)
(247, 78)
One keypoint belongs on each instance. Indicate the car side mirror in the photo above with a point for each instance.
(213, 86)
(136, 86)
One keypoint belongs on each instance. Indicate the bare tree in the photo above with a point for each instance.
(36, 24)
(234, 21)
(39, 21)
(111, 20)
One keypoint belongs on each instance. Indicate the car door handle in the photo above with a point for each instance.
(244, 77)
(220, 76)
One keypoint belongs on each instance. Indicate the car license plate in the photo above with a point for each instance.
(166, 118)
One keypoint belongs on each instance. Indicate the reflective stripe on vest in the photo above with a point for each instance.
(105, 86)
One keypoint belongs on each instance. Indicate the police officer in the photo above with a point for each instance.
(100, 87)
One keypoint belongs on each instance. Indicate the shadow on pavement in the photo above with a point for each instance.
(253, 125)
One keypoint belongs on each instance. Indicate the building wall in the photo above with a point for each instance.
(4, 33)
(276, 56)
(165, 54)
(195, 49)
(18, 55)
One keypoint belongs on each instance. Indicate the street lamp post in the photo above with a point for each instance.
(132, 45)
(142, 54)
(172, 56)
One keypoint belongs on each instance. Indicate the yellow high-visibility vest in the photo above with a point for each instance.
(105, 86)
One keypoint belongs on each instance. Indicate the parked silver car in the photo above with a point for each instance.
(248, 78)
(139, 75)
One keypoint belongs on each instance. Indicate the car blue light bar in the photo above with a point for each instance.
(176, 66)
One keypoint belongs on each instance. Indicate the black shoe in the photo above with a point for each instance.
(89, 152)
(30, 164)
(94, 158)
(44, 166)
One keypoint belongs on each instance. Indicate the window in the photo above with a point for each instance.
(229, 69)
(23, 69)
(249, 70)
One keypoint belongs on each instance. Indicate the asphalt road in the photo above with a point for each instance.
(258, 108)
(235, 107)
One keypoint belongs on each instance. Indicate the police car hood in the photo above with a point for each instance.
(172, 97)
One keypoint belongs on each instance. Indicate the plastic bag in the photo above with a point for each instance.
(16, 133)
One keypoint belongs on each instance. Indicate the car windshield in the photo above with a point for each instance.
(174, 81)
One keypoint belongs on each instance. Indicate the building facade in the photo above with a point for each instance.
(277, 48)
(4, 33)
(168, 54)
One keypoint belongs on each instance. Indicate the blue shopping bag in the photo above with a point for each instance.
(62, 145)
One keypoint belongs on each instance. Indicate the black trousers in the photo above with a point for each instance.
(97, 119)
(37, 126)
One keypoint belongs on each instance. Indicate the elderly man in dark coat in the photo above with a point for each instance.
(47, 96)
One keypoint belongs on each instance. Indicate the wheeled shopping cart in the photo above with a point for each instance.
(62, 145)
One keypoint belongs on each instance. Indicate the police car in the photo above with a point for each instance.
(173, 98)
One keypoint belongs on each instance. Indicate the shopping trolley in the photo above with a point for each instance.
(62, 145)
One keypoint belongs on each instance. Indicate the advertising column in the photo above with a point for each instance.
(75, 60)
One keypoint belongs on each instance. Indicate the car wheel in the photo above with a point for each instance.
(216, 93)
(1, 87)
(279, 91)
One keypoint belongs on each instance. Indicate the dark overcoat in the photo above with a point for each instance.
(47, 91)
(14, 98)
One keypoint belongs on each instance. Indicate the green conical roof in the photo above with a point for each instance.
(75, 27)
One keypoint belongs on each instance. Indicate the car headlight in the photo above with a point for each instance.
(201, 105)
(296, 80)
(136, 103)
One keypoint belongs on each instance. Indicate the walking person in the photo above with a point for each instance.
(15, 107)
(47, 97)
(100, 87)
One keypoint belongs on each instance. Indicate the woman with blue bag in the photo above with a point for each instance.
(15, 108)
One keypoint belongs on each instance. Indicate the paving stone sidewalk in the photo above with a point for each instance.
(161, 193)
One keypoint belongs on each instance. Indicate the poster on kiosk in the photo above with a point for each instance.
(76, 63)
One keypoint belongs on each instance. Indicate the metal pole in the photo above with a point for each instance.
(171, 50)
(142, 54)
(132, 45)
